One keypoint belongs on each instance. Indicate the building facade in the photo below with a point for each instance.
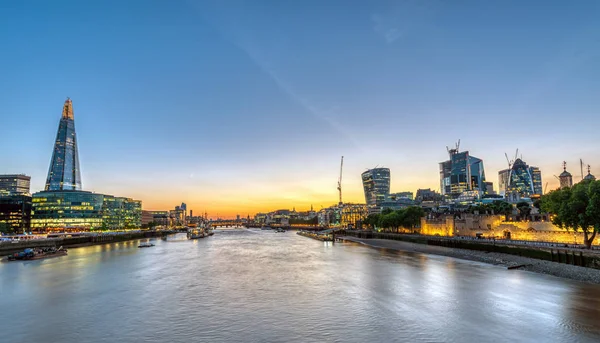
(64, 172)
(83, 211)
(352, 215)
(147, 217)
(67, 211)
(399, 195)
(462, 173)
(15, 184)
(376, 184)
(121, 213)
(15, 213)
(521, 179)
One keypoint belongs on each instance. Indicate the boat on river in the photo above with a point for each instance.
(196, 232)
(145, 245)
(37, 254)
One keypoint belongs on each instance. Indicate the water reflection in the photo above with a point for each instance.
(261, 286)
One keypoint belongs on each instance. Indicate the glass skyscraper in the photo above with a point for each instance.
(64, 173)
(520, 179)
(376, 183)
(462, 173)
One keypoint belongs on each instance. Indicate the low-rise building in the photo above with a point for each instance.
(72, 210)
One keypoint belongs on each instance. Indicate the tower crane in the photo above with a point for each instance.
(339, 187)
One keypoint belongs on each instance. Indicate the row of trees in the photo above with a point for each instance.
(576, 208)
(408, 218)
(502, 207)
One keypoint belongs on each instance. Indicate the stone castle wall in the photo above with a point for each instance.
(470, 225)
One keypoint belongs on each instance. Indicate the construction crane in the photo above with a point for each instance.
(340, 179)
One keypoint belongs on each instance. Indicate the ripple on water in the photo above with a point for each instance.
(261, 286)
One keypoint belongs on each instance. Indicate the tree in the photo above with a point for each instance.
(386, 211)
(412, 217)
(372, 220)
(576, 208)
(5, 228)
(502, 207)
(524, 209)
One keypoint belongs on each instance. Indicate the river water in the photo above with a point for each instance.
(262, 286)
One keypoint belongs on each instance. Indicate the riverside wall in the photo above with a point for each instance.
(7, 248)
(493, 226)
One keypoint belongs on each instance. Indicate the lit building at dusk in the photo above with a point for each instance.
(376, 184)
(461, 173)
(83, 211)
(15, 213)
(64, 173)
(15, 184)
(63, 205)
(521, 179)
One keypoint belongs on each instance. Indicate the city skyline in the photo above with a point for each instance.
(231, 124)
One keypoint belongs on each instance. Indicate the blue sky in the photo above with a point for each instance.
(236, 106)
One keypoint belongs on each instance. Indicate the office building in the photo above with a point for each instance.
(399, 195)
(376, 184)
(64, 173)
(489, 188)
(147, 218)
(15, 213)
(520, 179)
(63, 206)
(427, 195)
(121, 213)
(83, 211)
(461, 173)
(161, 218)
(15, 184)
(67, 211)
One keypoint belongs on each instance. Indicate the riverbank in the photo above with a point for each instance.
(7, 248)
(509, 261)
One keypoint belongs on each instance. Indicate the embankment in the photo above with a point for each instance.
(419, 245)
(7, 248)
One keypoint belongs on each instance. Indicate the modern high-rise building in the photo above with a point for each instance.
(461, 173)
(64, 173)
(520, 179)
(18, 184)
(63, 205)
(376, 183)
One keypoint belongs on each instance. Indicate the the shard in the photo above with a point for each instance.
(64, 173)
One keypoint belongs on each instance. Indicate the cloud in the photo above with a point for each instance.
(389, 31)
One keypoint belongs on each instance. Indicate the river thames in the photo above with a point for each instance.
(262, 286)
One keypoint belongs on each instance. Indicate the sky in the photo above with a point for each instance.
(236, 107)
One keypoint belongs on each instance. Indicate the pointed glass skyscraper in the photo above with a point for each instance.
(64, 171)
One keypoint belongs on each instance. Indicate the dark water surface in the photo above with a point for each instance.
(262, 286)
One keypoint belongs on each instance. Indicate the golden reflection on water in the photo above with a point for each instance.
(254, 286)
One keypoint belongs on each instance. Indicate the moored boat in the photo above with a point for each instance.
(195, 233)
(37, 254)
